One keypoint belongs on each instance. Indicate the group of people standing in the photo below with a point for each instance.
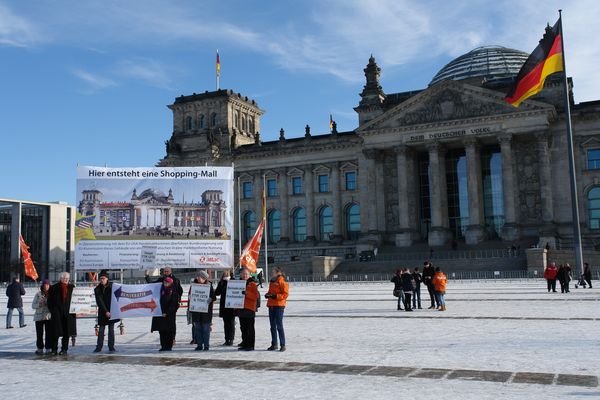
(407, 287)
(562, 274)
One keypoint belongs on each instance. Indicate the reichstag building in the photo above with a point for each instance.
(450, 163)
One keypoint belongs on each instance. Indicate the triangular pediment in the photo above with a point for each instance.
(450, 101)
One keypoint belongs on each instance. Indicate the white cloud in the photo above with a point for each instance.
(145, 70)
(15, 30)
(94, 82)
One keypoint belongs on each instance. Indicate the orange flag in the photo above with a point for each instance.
(29, 267)
(249, 256)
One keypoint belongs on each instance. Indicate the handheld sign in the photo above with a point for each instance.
(199, 298)
(135, 300)
(148, 257)
(235, 298)
(83, 302)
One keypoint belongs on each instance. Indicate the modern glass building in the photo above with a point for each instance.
(47, 229)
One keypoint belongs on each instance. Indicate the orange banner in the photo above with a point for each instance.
(249, 257)
(29, 267)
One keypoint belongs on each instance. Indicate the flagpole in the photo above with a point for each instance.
(218, 69)
(572, 171)
(266, 230)
(239, 207)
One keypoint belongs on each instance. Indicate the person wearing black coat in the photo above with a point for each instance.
(166, 324)
(398, 291)
(167, 272)
(416, 301)
(64, 324)
(15, 291)
(202, 321)
(226, 314)
(564, 277)
(103, 293)
(587, 274)
(428, 273)
(408, 285)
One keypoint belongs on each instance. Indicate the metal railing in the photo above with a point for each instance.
(451, 255)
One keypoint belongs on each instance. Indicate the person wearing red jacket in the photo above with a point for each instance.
(248, 313)
(439, 282)
(550, 273)
(276, 301)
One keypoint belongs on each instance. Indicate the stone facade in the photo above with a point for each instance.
(452, 162)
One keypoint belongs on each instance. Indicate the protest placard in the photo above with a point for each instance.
(199, 297)
(235, 297)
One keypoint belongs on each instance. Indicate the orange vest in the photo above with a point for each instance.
(251, 296)
(439, 282)
(278, 287)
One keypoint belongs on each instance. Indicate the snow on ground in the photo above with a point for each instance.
(351, 323)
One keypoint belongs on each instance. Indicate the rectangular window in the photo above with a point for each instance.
(593, 159)
(351, 180)
(323, 183)
(247, 190)
(271, 187)
(296, 185)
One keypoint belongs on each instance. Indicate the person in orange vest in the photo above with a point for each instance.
(276, 301)
(439, 282)
(248, 313)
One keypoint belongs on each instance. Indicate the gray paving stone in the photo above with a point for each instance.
(390, 371)
(577, 380)
(430, 373)
(352, 369)
(475, 375)
(260, 365)
(533, 377)
(289, 366)
(322, 368)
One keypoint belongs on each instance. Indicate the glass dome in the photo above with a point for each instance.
(490, 62)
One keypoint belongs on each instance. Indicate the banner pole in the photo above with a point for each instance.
(572, 171)
(239, 207)
(266, 232)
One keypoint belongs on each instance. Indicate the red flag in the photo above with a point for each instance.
(29, 267)
(249, 256)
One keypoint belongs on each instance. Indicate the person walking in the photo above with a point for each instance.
(201, 321)
(418, 278)
(41, 317)
(564, 276)
(15, 292)
(408, 286)
(439, 282)
(166, 323)
(64, 323)
(103, 294)
(248, 313)
(587, 274)
(550, 273)
(276, 302)
(428, 273)
(226, 314)
(398, 291)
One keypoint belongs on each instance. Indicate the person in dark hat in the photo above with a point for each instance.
(103, 293)
(166, 323)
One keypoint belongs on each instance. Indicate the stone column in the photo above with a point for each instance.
(439, 234)
(510, 229)
(257, 187)
(547, 228)
(363, 193)
(371, 205)
(283, 191)
(407, 234)
(310, 204)
(380, 209)
(336, 203)
(475, 232)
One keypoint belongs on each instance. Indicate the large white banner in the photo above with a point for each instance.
(199, 298)
(135, 300)
(146, 218)
(235, 297)
(83, 302)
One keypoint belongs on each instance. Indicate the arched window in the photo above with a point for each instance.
(325, 223)
(243, 123)
(353, 221)
(594, 207)
(213, 120)
(236, 118)
(201, 121)
(248, 226)
(299, 223)
(251, 124)
(274, 226)
(189, 123)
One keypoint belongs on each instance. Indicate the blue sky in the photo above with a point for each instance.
(88, 81)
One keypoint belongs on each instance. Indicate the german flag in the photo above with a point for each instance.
(545, 60)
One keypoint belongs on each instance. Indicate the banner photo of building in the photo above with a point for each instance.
(134, 218)
(131, 301)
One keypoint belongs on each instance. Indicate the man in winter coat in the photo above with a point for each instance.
(167, 272)
(63, 322)
(416, 301)
(408, 285)
(227, 314)
(248, 313)
(428, 273)
(398, 290)
(550, 273)
(201, 321)
(587, 274)
(166, 323)
(15, 291)
(103, 293)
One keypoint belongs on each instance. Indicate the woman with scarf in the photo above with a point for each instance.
(41, 317)
(227, 314)
(166, 323)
